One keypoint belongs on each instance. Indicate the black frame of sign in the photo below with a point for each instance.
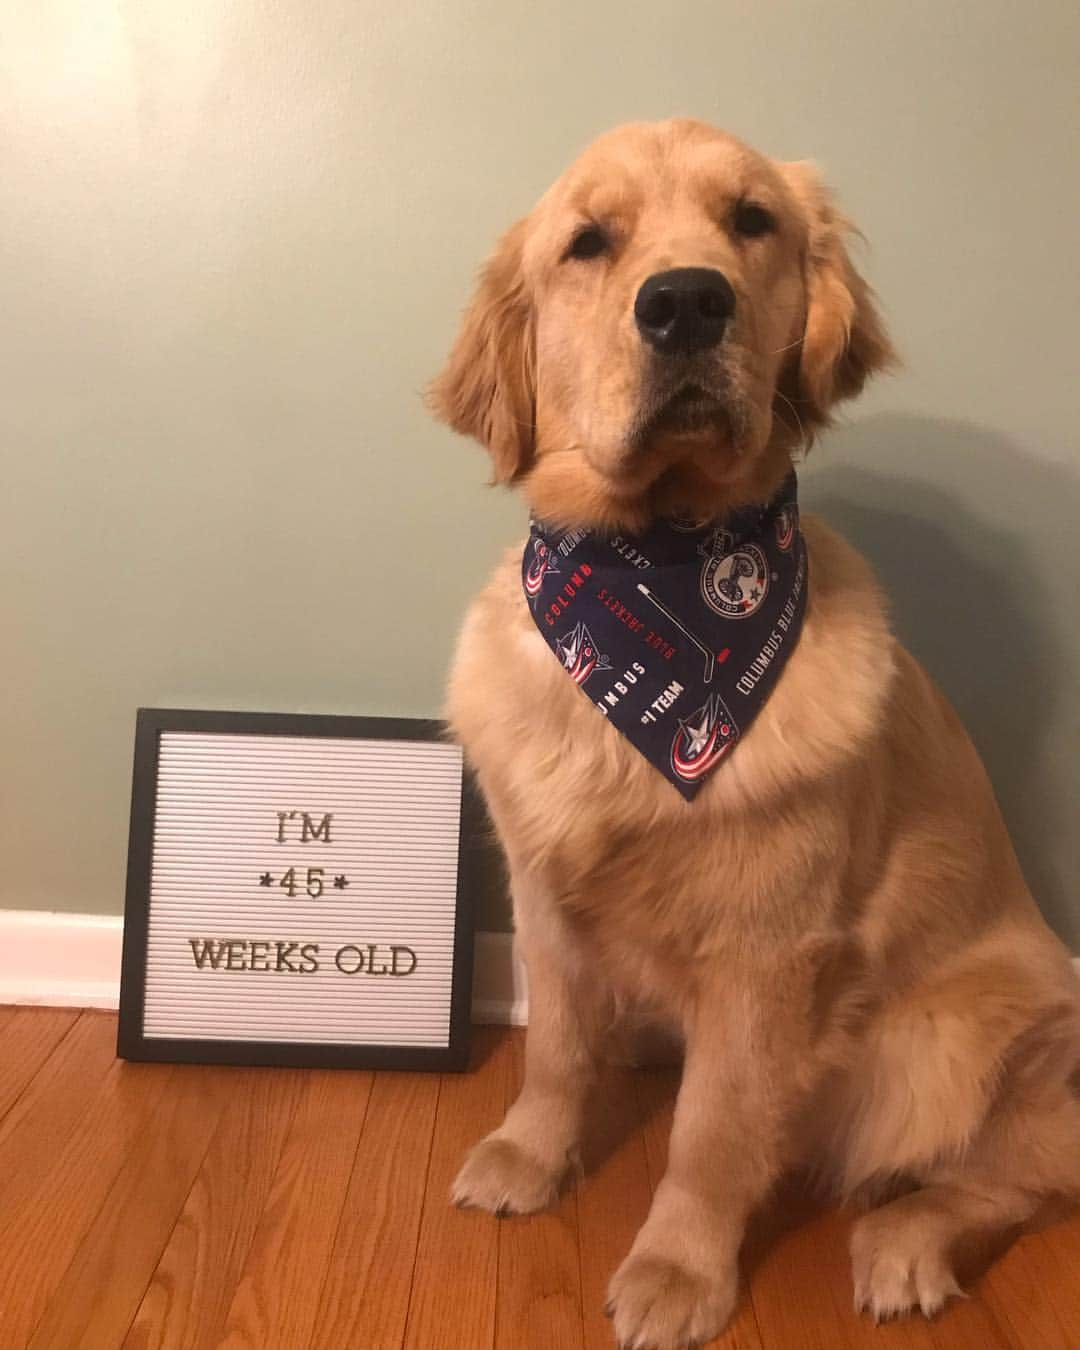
(134, 1045)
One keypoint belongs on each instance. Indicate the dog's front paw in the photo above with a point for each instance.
(658, 1304)
(500, 1176)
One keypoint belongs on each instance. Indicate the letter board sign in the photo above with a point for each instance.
(295, 892)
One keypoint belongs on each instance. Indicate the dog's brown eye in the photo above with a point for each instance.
(752, 220)
(589, 242)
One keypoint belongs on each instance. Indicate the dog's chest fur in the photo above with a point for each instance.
(648, 882)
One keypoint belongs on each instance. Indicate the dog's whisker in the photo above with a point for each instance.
(795, 413)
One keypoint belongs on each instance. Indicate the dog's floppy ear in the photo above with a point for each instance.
(488, 388)
(844, 340)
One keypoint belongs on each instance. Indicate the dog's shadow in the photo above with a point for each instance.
(971, 543)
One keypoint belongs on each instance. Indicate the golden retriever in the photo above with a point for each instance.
(837, 926)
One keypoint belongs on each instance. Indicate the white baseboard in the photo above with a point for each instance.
(60, 960)
(500, 993)
(73, 961)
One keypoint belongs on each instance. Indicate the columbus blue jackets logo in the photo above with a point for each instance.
(735, 578)
(539, 561)
(702, 738)
(787, 521)
(577, 651)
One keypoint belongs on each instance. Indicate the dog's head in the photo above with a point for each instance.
(676, 316)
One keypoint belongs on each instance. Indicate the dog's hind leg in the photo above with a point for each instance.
(1023, 1155)
(902, 1254)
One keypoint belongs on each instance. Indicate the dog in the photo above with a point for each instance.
(832, 919)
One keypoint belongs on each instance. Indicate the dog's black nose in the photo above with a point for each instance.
(684, 310)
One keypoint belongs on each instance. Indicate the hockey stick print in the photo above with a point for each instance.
(710, 659)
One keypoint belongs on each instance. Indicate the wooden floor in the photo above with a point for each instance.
(168, 1206)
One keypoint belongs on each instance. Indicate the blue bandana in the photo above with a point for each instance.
(678, 634)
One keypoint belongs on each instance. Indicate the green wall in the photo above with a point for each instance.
(233, 246)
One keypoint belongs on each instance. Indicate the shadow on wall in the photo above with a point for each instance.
(975, 556)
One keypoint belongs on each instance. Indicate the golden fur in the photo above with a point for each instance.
(837, 926)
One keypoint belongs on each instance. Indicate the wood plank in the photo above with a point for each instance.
(105, 1281)
(28, 1036)
(276, 1301)
(365, 1297)
(1033, 1290)
(1060, 1245)
(62, 1192)
(967, 1324)
(53, 1103)
(188, 1298)
(452, 1306)
(613, 1198)
(539, 1280)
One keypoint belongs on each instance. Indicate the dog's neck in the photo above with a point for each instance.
(567, 493)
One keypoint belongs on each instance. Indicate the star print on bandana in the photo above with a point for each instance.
(677, 634)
